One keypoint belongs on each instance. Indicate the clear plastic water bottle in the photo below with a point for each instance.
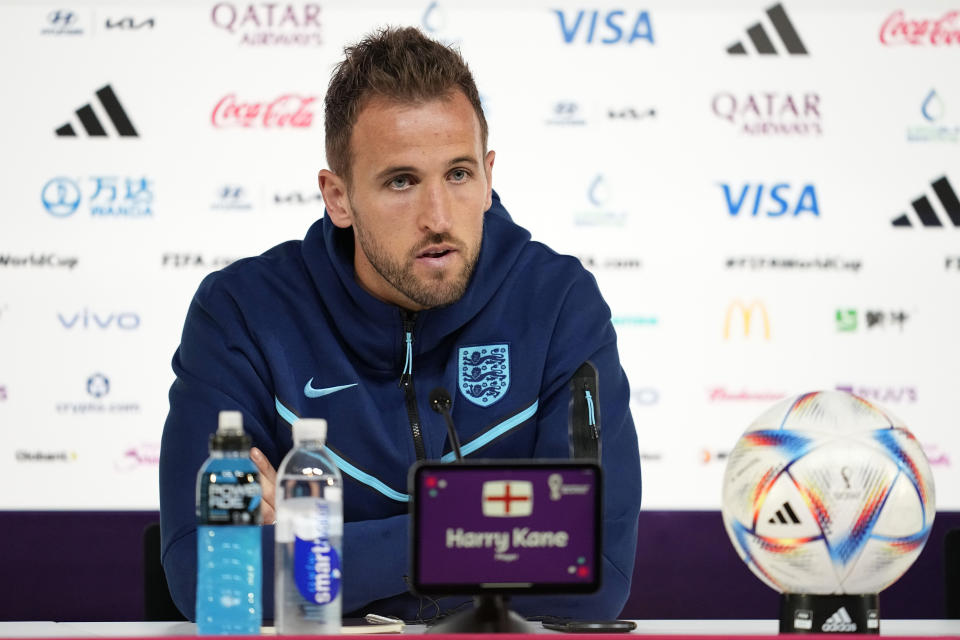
(229, 573)
(309, 536)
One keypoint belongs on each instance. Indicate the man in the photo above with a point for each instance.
(416, 269)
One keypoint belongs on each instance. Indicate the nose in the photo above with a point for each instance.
(435, 209)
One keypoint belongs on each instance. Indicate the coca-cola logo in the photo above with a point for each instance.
(898, 29)
(289, 110)
(270, 23)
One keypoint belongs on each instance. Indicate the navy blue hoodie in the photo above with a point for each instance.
(262, 334)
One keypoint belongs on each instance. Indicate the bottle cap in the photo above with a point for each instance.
(230, 435)
(309, 429)
(231, 423)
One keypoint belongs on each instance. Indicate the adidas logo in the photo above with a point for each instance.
(785, 515)
(839, 621)
(924, 210)
(761, 41)
(91, 123)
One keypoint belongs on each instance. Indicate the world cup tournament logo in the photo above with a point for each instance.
(484, 373)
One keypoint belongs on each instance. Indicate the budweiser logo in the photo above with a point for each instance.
(899, 30)
(289, 110)
(720, 394)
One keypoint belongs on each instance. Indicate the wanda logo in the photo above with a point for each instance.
(289, 110)
(898, 29)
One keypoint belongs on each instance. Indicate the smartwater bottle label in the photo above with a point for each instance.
(316, 570)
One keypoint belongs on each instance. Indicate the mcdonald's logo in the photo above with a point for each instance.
(747, 314)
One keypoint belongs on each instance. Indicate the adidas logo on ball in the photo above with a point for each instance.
(839, 621)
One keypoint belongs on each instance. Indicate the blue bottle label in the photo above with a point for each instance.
(316, 570)
(229, 493)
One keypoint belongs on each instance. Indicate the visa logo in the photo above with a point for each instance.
(86, 319)
(762, 200)
(608, 27)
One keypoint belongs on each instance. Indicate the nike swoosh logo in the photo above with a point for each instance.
(310, 392)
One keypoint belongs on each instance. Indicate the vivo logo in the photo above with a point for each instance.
(778, 200)
(610, 27)
(87, 319)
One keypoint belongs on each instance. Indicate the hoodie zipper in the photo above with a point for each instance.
(406, 383)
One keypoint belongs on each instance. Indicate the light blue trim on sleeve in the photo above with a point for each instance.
(346, 467)
(495, 432)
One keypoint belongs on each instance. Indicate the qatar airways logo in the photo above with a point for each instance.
(290, 110)
(270, 23)
(898, 29)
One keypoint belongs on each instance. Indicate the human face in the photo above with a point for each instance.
(418, 189)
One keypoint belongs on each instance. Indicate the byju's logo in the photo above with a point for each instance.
(86, 319)
(91, 123)
(289, 110)
(746, 314)
(933, 129)
(771, 201)
(762, 43)
(770, 114)
(925, 212)
(604, 27)
(897, 29)
(883, 395)
(98, 385)
(507, 498)
(110, 196)
(269, 23)
(62, 22)
(231, 198)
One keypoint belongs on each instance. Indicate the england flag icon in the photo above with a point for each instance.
(507, 498)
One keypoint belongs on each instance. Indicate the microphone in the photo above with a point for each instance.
(440, 401)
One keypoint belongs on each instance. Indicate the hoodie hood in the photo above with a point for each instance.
(373, 328)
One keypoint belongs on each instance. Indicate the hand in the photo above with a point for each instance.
(268, 485)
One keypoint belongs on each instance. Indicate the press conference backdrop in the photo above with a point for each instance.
(766, 194)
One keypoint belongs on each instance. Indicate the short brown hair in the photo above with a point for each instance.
(397, 64)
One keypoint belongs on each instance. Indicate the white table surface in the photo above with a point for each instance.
(652, 627)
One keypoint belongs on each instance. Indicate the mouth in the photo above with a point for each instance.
(434, 252)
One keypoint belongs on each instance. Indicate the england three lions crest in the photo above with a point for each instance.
(484, 373)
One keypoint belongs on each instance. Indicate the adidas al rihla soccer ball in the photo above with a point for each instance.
(826, 493)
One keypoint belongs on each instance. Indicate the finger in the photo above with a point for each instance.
(267, 472)
(268, 478)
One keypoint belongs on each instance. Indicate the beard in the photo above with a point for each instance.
(438, 290)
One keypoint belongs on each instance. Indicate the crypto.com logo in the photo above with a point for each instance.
(746, 315)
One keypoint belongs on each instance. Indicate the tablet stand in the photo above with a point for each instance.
(490, 614)
(846, 613)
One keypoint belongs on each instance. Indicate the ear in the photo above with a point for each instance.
(334, 191)
(488, 170)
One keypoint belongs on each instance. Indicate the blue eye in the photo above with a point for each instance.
(459, 175)
(400, 182)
